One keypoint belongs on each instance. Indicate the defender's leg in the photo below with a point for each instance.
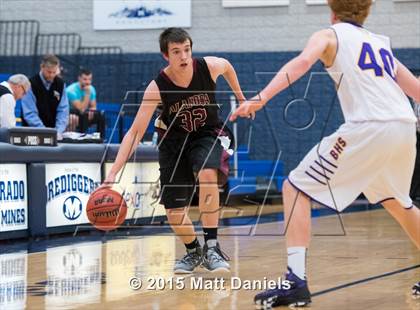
(409, 219)
(297, 212)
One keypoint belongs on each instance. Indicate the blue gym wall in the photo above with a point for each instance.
(137, 70)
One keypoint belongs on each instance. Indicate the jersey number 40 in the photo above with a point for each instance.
(367, 61)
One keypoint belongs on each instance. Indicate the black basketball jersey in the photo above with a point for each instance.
(192, 109)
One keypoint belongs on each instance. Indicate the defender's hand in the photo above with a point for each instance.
(248, 108)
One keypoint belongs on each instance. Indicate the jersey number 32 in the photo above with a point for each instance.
(193, 120)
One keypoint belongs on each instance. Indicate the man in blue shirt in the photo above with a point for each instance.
(46, 104)
(82, 98)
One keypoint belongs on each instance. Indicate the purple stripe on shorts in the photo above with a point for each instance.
(323, 158)
(321, 174)
(319, 181)
(386, 199)
(313, 199)
(393, 198)
(324, 167)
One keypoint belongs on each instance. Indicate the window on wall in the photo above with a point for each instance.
(253, 3)
(406, 0)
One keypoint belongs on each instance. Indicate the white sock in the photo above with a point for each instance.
(296, 260)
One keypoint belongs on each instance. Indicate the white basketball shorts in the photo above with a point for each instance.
(374, 158)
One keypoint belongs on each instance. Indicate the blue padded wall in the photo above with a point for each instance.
(137, 70)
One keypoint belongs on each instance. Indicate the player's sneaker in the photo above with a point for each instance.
(190, 261)
(295, 295)
(416, 290)
(214, 259)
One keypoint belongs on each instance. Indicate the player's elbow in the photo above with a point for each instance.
(137, 130)
(134, 131)
(226, 65)
(130, 138)
(297, 67)
(416, 96)
(304, 63)
(413, 92)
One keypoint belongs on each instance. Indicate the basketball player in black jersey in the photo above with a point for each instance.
(193, 144)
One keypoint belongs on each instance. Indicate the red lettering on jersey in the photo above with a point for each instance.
(338, 148)
(190, 103)
(342, 142)
(334, 155)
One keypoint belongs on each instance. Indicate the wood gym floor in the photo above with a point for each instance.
(370, 264)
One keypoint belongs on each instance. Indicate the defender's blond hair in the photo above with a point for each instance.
(354, 11)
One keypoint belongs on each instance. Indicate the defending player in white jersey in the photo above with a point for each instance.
(373, 152)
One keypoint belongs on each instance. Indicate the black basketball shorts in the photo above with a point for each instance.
(181, 159)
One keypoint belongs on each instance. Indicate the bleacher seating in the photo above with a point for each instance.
(255, 177)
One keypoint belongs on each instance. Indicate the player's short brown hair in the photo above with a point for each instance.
(354, 11)
(173, 35)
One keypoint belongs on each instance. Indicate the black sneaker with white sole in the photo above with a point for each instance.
(295, 294)
(415, 290)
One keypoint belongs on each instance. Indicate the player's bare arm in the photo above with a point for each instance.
(151, 99)
(408, 82)
(220, 66)
(321, 46)
(316, 49)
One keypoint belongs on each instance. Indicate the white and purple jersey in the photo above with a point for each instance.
(365, 71)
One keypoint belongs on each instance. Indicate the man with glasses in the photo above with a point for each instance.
(11, 90)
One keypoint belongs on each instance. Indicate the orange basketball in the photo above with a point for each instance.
(106, 209)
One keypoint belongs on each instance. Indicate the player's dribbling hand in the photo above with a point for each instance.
(107, 183)
(248, 108)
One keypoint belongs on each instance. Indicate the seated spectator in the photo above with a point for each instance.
(14, 89)
(46, 104)
(82, 98)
